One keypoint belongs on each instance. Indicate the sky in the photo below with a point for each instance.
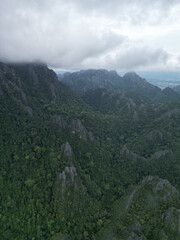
(133, 35)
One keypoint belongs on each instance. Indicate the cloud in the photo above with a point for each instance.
(75, 33)
(139, 57)
(57, 35)
(133, 58)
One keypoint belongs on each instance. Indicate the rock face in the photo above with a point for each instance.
(58, 120)
(83, 81)
(165, 190)
(159, 191)
(155, 135)
(150, 195)
(67, 178)
(167, 94)
(133, 82)
(126, 152)
(77, 127)
(9, 80)
(171, 219)
(25, 83)
(162, 153)
(29, 110)
(177, 89)
(66, 150)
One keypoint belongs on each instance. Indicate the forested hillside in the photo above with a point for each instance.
(90, 80)
(103, 164)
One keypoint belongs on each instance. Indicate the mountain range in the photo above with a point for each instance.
(84, 81)
(87, 155)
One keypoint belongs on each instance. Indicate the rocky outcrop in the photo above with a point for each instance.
(171, 219)
(134, 232)
(28, 110)
(131, 103)
(130, 197)
(53, 91)
(10, 81)
(91, 79)
(77, 127)
(66, 150)
(162, 153)
(67, 177)
(58, 120)
(155, 135)
(164, 189)
(160, 190)
(127, 153)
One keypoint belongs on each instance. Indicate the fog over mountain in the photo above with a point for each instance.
(121, 35)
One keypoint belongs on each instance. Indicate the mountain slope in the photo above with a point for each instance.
(177, 89)
(63, 165)
(133, 216)
(167, 94)
(83, 81)
(86, 81)
(137, 84)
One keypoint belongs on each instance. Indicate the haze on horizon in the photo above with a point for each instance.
(136, 35)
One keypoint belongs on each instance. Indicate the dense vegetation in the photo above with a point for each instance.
(104, 166)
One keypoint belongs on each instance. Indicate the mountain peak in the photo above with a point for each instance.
(132, 76)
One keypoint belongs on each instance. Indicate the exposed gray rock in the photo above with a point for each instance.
(71, 171)
(130, 197)
(165, 189)
(28, 110)
(53, 91)
(33, 76)
(17, 86)
(147, 179)
(23, 94)
(172, 219)
(162, 153)
(122, 96)
(136, 228)
(126, 152)
(77, 127)
(67, 178)
(161, 191)
(66, 150)
(91, 136)
(155, 135)
(142, 106)
(56, 119)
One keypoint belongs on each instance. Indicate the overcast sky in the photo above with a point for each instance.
(80, 34)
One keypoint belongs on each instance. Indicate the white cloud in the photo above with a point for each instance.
(96, 33)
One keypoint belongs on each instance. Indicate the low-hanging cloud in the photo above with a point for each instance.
(74, 34)
(137, 58)
(134, 58)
